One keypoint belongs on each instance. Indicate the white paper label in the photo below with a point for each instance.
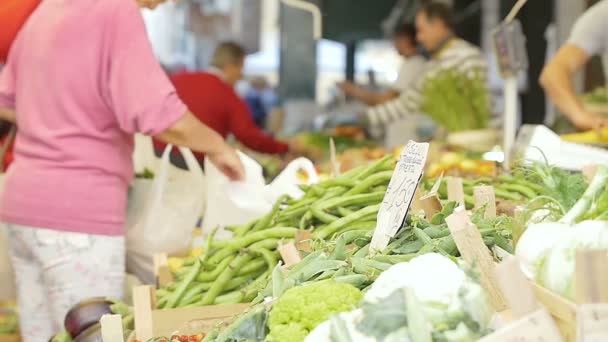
(400, 193)
(592, 322)
(536, 327)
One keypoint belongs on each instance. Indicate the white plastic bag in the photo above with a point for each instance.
(235, 203)
(163, 213)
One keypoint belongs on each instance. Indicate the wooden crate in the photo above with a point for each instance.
(154, 323)
(562, 310)
(10, 338)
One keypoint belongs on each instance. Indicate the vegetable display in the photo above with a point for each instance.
(233, 271)
(409, 303)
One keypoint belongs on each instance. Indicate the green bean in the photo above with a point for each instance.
(362, 252)
(360, 225)
(270, 258)
(344, 211)
(506, 194)
(227, 274)
(435, 232)
(197, 289)
(236, 244)
(242, 230)
(338, 224)
(233, 297)
(305, 219)
(181, 288)
(375, 167)
(319, 215)
(372, 198)
(524, 190)
(378, 178)
(267, 219)
(337, 182)
(394, 259)
(211, 276)
(208, 245)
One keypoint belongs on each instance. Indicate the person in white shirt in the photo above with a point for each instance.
(589, 37)
(404, 39)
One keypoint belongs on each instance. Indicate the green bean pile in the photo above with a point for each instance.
(234, 270)
(507, 188)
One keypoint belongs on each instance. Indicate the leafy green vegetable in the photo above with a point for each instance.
(302, 308)
(456, 101)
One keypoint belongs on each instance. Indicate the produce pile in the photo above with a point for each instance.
(460, 164)
(82, 321)
(547, 248)
(455, 101)
(339, 212)
(409, 303)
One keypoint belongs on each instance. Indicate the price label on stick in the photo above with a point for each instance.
(399, 194)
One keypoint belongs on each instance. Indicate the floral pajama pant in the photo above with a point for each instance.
(55, 270)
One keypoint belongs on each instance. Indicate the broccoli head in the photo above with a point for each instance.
(302, 308)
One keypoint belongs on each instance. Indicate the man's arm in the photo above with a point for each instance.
(368, 97)
(557, 80)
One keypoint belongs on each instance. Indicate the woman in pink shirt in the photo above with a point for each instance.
(80, 80)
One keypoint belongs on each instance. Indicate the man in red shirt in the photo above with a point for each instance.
(211, 97)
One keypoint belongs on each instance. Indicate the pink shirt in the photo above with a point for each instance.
(83, 79)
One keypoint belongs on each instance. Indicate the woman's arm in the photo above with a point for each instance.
(8, 115)
(190, 132)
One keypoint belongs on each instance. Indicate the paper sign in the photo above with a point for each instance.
(592, 322)
(399, 194)
(536, 327)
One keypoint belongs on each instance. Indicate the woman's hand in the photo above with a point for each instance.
(151, 4)
(228, 162)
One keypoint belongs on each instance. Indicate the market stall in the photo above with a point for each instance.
(475, 233)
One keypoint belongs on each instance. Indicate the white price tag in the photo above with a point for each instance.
(400, 193)
(536, 327)
(592, 322)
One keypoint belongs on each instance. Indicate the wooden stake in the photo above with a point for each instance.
(455, 190)
(111, 328)
(535, 327)
(484, 196)
(591, 276)
(142, 310)
(162, 272)
(303, 238)
(475, 253)
(516, 288)
(289, 254)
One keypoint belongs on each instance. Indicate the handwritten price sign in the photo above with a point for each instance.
(400, 193)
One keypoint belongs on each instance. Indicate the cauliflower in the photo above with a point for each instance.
(302, 308)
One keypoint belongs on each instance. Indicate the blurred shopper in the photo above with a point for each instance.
(261, 99)
(589, 37)
(435, 32)
(404, 39)
(211, 97)
(80, 80)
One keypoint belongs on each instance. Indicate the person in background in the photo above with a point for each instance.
(261, 99)
(404, 39)
(80, 80)
(13, 13)
(434, 25)
(589, 37)
(212, 98)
